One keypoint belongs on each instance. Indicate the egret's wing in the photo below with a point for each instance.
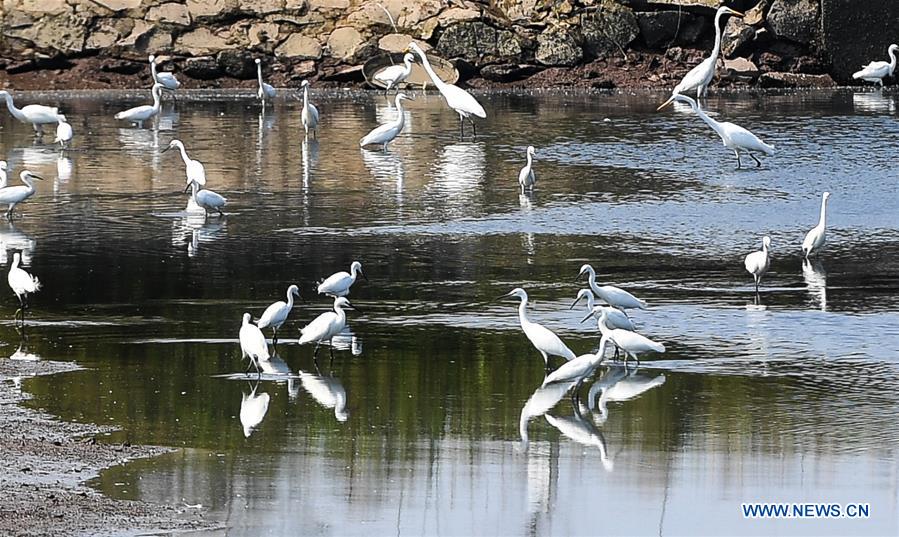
(271, 313)
(459, 99)
(317, 328)
(634, 342)
(551, 342)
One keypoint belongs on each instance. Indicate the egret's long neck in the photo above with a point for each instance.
(194, 187)
(341, 315)
(711, 122)
(13, 110)
(259, 74)
(184, 156)
(427, 65)
(717, 49)
(408, 70)
(305, 97)
(15, 263)
(591, 301)
(401, 117)
(892, 60)
(523, 311)
(289, 300)
(156, 102)
(823, 217)
(530, 159)
(765, 248)
(27, 181)
(153, 72)
(604, 330)
(591, 279)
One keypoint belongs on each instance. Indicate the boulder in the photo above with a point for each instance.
(399, 42)
(755, 16)
(558, 48)
(736, 36)
(457, 14)
(660, 28)
(263, 35)
(609, 29)
(237, 63)
(795, 20)
(38, 8)
(60, 33)
(343, 42)
(795, 80)
(303, 69)
(201, 42)
(211, 9)
(740, 69)
(118, 5)
(300, 47)
(329, 5)
(508, 72)
(108, 32)
(479, 43)
(261, 7)
(169, 13)
(202, 68)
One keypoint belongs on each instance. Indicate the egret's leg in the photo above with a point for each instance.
(331, 350)
(545, 360)
(474, 128)
(275, 336)
(461, 126)
(739, 164)
(221, 214)
(758, 163)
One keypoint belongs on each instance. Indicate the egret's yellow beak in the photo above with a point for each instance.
(666, 103)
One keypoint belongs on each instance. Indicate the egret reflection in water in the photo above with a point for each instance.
(460, 171)
(618, 384)
(14, 239)
(194, 229)
(873, 102)
(583, 431)
(539, 403)
(253, 408)
(815, 278)
(23, 354)
(276, 367)
(327, 391)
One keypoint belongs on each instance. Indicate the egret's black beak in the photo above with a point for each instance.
(587, 317)
(355, 308)
(35, 176)
(186, 188)
(579, 274)
(500, 297)
(166, 148)
(576, 300)
(364, 277)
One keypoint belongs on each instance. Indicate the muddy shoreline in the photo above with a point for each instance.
(48, 461)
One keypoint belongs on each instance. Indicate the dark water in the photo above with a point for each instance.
(789, 398)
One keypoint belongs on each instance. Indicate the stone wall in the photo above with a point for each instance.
(495, 40)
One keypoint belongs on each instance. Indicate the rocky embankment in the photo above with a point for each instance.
(593, 43)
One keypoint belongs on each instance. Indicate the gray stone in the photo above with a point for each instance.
(558, 48)
(203, 68)
(609, 29)
(479, 44)
(795, 20)
(237, 64)
(665, 27)
(741, 69)
(737, 35)
(795, 80)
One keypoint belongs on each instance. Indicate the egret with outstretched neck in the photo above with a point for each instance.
(386, 133)
(395, 74)
(541, 337)
(309, 115)
(579, 368)
(22, 284)
(265, 91)
(616, 317)
(611, 295)
(195, 170)
(165, 78)
(277, 313)
(139, 114)
(252, 343)
(339, 283)
(327, 325)
(757, 263)
(456, 98)
(877, 71)
(526, 177)
(13, 195)
(817, 236)
(631, 343)
(37, 115)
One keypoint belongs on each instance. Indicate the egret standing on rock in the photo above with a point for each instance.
(309, 116)
(395, 74)
(165, 78)
(631, 343)
(21, 283)
(64, 132)
(701, 76)
(265, 91)
(339, 283)
(277, 313)
(734, 137)
(326, 326)
(252, 343)
(456, 98)
(139, 114)
(36, 114)
(817, 236)
(385, 134)
(526, 177)
(757, 263)
(613, 296)
(877, 71)
(12, 195)
(541, 337)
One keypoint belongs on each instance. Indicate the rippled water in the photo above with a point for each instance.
(418, 425)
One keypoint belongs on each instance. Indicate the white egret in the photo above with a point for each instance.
(36, 114)
(326, 326)
(4, 177)
(611, 295)
(701, 76)
(277, 313)
(339, 283)
(139, 114)
(385, 133)
(395, 74)
(165, 78)
(877, 71)
(252, 343)
(194, 168)
(252, 410)
(734, 137)
(64, 132)
(541, 337)
(206, 199)
(632, 343)
(309, 116)
(21, 283)
(578, 368)
(757, 263)
(265, 91)
(456, 98)
(526, 177)
(616, 317)
(817, 236)
(12, 195)
(327, 391)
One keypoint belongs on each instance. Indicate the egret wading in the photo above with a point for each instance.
(579, 368)
(309, 116)
(611, 295)
(395, 74)
(526, 177)
(616, 317)
(275, 315)
(734, 137)
(631, 343)
(385, 134)
(165, 78)
(252, 343)
(207, 200)
(194, 168)
(21, 283)
(339, 283)
(817, 236)
(64, 133)
(13, 195)
(37, 115)
(139, 114)
(877, 71)
(456, 98)
(757, 263)
(265, 91)
(541, 337)
(701, 76)
(327, 325)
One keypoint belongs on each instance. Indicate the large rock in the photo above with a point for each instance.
(119, 5)
(261, 7)
(107, 32)
(144, 38)
(479, 43)
(740, 69)
(796, 20)
(399, 43)
(264, 35)
(212, 9)
(170, 13)
(300, 47)
(736, 37)
(558, 48)
(61, 33)
(237, 63)
(201, 42)
(203, 68)
(37, 8)
(457, 14)
(344, 42)
(795, 80)
(661, 28)
(609, 29)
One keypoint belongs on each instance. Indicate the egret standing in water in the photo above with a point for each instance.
(252, 343)
(265, 91)
(541, 337)
(21, 284)
(309, 116)
(456, 98)
(579, 368)
(207, 200)
(277, 313)
(36, 114)
(165, 78)
(734, 137)
(64, 132)
(194, 168)
(395, 74)
(139, 114)
(631, 343)
(817, 236)
(339, 283)
(757, 263)
(12, 195)
(385, 134)
(326, 326)
(877, 71)
(611, 295)
(526, 177)
(701, 76)
(616, 317)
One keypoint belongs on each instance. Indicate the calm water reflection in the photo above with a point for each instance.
(417, 426)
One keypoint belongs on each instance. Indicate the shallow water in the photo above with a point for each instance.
(788, 397)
